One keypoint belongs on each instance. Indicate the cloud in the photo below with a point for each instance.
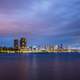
(56, 18)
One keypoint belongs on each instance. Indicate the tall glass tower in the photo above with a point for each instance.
(23, 43)
(16, 44)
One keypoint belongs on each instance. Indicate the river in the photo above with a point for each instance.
(49, 66)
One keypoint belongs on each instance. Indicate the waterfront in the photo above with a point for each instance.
(57, 66)
(20, 46)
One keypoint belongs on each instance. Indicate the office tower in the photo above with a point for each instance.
(60, 46)
(23, 43)
(16, 44)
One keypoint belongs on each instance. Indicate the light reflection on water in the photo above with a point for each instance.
(40, 67)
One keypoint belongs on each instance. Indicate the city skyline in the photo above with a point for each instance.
(17, 42)
(41, 21)
(23, 43)
(21, 46)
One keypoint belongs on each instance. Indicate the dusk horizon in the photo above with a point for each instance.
(39, 39)
(40, 21)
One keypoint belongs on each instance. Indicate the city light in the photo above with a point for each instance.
(20, 46)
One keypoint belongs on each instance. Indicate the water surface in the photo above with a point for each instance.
(40, 66)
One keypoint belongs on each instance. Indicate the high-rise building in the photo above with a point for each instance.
(23, 43)
(60, 46)
(16, 44)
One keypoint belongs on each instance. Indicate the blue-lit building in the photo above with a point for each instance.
(16, 44)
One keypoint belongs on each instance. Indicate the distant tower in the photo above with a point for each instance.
(16, 44)
(60, 46)
(23, 42)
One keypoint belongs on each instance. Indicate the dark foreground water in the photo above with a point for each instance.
(58, 66)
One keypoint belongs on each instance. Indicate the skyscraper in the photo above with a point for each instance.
(16, 44)
(60, 46)
(23, 42)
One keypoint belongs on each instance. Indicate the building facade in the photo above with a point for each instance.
(16, 44)
(23, 43)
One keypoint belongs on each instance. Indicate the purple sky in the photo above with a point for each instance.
(42, 21)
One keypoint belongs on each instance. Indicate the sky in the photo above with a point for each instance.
(40, 21)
